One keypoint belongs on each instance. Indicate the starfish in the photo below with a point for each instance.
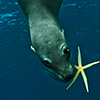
(81, 70)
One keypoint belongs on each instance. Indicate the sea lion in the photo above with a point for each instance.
(48, 40)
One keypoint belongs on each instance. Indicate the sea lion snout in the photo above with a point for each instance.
(62, 73)
(59, 61)
(66, 74)
(68, 78)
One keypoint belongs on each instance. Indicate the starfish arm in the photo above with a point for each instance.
(76, 67)
(73, 79)
(85, 80)
(91, 64)
(81, 69)
(79, 57)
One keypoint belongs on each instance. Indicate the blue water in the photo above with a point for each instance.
(21, 77)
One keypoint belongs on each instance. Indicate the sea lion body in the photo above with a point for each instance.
(47, 38)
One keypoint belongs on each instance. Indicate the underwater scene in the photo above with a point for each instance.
(22, 74)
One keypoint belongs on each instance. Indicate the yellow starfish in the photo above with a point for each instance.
(81, 69)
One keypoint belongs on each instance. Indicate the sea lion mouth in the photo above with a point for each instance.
(68, 78)
(57, 76)
(64, 79)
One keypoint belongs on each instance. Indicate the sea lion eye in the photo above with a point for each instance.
(47, 62)
(67, 52)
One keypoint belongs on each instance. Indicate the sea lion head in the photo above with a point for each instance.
(55, 54)
(60, 64)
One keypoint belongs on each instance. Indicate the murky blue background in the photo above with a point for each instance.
(21, 77)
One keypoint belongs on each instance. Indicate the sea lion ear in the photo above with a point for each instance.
(33, 49)
(63, 32)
